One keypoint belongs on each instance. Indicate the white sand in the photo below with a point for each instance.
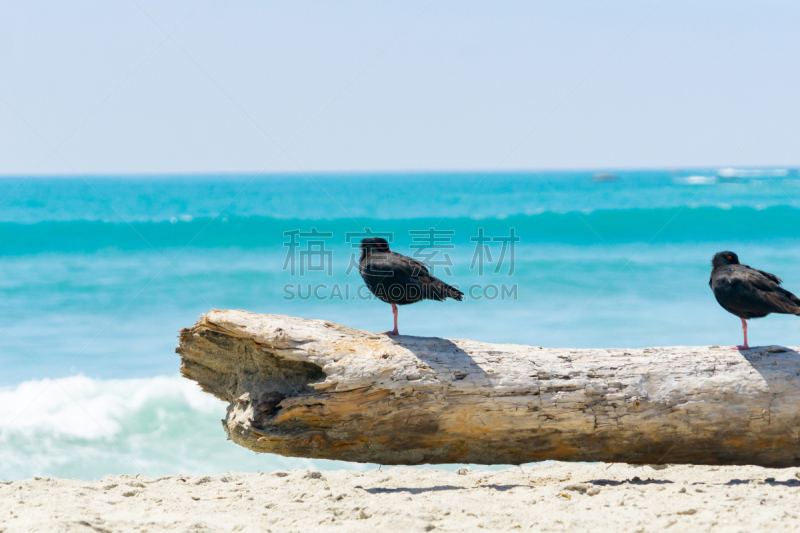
(554, 497)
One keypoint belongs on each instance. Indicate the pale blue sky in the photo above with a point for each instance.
(396, 85)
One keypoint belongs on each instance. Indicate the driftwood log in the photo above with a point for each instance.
(311, 388)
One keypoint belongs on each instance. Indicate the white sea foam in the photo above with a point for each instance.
(697, 180)
(87, 408)
(86, 428)
(537, 211)
(752, 173)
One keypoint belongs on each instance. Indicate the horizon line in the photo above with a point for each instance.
(587, 170)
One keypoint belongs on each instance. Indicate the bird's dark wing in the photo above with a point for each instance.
(392, 277)
(408, 266)
(409, 270)
(753, 292)
(432, 287)
(394, 269)
(779, 297)
(766, 275)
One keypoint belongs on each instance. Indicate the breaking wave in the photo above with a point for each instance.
(79, 427)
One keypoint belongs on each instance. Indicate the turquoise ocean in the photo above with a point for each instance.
(98, 275)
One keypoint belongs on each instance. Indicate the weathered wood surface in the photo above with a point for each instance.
(311, 388)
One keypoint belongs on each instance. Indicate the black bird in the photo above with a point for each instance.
(747, 292)
(399, 280)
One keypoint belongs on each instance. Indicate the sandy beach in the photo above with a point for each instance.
(551, 497)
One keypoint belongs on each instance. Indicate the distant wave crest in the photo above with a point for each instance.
(676, 224)
(753, 173)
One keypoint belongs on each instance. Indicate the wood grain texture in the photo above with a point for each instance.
(311, 388)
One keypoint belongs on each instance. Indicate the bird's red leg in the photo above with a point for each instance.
(394, 331)
(744, 329)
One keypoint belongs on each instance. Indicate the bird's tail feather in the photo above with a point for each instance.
(439, 290)
(793, 301)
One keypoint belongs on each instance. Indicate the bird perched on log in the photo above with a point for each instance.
(399, 280)
(747, 292)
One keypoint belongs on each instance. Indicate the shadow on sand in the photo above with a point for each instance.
(437, 488)
(633, 481)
